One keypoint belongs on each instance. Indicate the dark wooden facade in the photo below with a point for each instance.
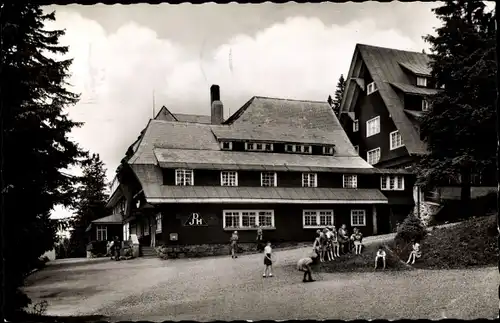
(112, 231)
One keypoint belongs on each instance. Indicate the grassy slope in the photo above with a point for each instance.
(470, 243)
(363, 262)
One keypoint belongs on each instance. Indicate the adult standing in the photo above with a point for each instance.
(259, 239)
(234, 244)
(116, 248)
(343, 237)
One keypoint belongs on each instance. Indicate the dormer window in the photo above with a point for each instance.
(421, 81)
(327, 150)
(305, 149)
(254, 146)
(226, 145)
(370, 88)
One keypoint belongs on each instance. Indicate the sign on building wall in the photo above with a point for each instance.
(195, 220)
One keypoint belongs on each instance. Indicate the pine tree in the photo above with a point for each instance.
(339, 92)
(459, 129)
(91, 203)
(35, 146)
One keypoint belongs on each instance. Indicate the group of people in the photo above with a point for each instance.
(330, 243)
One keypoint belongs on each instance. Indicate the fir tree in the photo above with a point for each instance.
(91, 203)
(339, 92)
(459, 129)
(35, 145)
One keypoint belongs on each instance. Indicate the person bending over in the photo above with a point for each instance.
(304, 265)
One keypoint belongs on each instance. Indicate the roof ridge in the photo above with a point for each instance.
(285, 99)
(389, 48)
(191, 114)
(185, 122)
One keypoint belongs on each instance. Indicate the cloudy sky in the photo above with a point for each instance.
(124, 54)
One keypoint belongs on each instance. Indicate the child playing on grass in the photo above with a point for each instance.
(415, 253)
(380, 256)
(304, 265)
(267, 261)
(234, 244)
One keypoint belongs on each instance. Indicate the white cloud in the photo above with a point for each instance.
(299, 58)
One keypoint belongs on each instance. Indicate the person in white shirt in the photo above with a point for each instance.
(380, 256)
(268, 261)
(415, 253)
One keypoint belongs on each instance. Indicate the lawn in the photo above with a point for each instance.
(363, 262)
(471, 243)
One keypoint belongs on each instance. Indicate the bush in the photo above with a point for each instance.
(412, 228)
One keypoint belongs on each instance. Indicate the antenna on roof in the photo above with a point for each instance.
(153, 103)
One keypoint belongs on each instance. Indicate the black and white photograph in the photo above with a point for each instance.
(221, 162)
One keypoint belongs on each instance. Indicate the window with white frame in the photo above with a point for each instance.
(248, 219)
(317, 218)
(305, 149)
(102, 233)
(258, 146)
(158, 223)
(421, 81)
(373, 156)
(268, 179)
(425, 105)
(328, 150)
(396, 140)
(184, 177)
(356, 148)
(370, 88)
(226, 145)
(358, 218)
(350, 181)
(373, 126)
(309, 180)
(355, 126)
(228, 178)
(392, 183)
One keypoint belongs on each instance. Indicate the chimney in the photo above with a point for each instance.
(217, 109)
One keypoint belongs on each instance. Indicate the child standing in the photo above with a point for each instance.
(335, 242)
(329, 244)
(380, 256)
(234, 244)
(358, 238)
(268, 261)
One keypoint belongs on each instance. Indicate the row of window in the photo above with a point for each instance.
(372, 87)
(311, 219)
(289, 148)
(185, 177)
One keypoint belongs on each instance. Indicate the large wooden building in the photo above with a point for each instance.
(285, 166)
(386, 94)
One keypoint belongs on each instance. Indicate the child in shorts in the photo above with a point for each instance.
(415, 253)
(268, 261)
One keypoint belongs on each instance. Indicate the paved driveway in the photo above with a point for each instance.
(221, 288)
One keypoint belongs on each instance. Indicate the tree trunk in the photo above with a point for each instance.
(465, 192)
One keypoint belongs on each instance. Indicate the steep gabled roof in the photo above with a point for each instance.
(385, 66)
